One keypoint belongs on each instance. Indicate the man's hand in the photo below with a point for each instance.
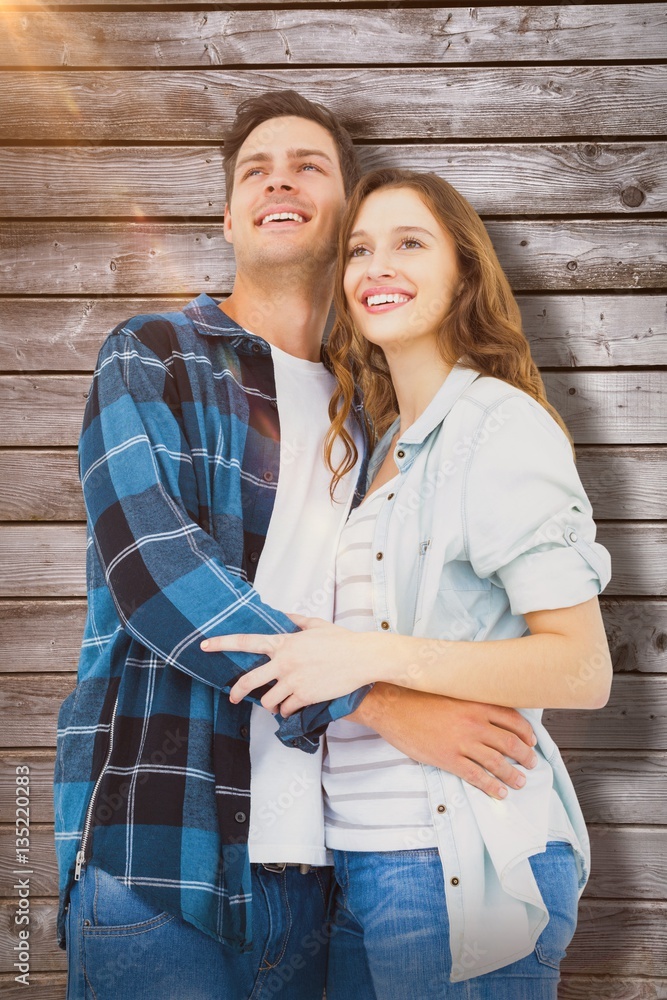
(466, 738)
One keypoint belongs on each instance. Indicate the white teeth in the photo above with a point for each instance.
(283, 215)
(380, 300)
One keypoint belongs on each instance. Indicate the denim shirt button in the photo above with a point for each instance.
(442, 809)
(454, 880)
(400, 454)
(384, 625)
(572, 536)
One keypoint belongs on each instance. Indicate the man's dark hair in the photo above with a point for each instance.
(279, 104)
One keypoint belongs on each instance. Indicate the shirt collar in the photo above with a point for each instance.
(209, 319)
(407, 446)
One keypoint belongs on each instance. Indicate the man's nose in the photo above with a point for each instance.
(279, 182)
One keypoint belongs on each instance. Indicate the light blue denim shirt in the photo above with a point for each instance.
(488, 522)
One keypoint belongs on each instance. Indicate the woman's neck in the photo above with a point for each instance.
(417, 373)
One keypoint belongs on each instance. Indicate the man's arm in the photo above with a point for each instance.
(166, 575)
(466, 738)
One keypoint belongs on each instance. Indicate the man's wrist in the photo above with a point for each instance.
(374, 705)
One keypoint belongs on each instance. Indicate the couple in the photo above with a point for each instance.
(301, 542)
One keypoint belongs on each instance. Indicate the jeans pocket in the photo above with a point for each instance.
(116, 909)
(557, 878)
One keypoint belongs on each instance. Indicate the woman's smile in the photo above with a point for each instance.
(398, 256)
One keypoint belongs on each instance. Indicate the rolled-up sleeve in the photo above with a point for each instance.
(528, 522)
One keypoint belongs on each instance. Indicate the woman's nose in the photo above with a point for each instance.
(380, 266)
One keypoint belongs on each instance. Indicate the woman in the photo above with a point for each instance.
(475, 530)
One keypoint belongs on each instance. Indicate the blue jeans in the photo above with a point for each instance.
(122, 948)
(391, 933)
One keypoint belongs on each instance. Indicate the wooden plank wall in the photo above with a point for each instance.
(552, 120)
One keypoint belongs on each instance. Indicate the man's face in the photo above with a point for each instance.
(288, 197)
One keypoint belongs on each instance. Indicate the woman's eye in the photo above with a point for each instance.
(358, 251)
(411, 243)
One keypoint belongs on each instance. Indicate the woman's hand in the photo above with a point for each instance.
(321, 662)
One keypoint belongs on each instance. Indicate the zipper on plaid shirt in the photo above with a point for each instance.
(83, 846)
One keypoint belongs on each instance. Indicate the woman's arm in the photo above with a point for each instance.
(563, 663)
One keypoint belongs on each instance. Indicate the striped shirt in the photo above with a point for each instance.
(179, 461)
(375, 797)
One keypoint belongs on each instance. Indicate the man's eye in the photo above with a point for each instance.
(310, 166)
(253, 171)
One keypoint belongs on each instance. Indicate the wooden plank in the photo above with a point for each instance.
(30, 707)
(45, 636)
(288, 37)
(628, 862)
(32, 402)
(124, 258)
(604, 408)
(467, 102)
(59, 569)
(635, 717)
(40, 486)
(613, 786)
(608, 988)
(637, 634)
(569, 330)
(42, 858)
(516, 179)
(45, 560)
(619, 938)
(594, 330)
(41, 785)
(638, 557)
(45, 955)
(622, 483)
(41, 635)
(624, 938)
(45, 985)
(598, 412)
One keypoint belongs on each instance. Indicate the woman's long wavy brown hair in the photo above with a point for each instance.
(482, 325)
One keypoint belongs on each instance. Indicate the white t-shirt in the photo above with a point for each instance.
(295, 573)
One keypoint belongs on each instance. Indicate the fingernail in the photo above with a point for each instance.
(204, 644)
(502, 792)
(533, 760)
(520, 781)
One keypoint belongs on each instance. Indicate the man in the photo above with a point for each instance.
(202, 470)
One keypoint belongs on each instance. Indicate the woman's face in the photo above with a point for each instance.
(401, 271)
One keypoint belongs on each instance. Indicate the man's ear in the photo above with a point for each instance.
(228, 224)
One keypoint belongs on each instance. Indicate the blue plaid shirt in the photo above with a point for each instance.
(179, 464)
